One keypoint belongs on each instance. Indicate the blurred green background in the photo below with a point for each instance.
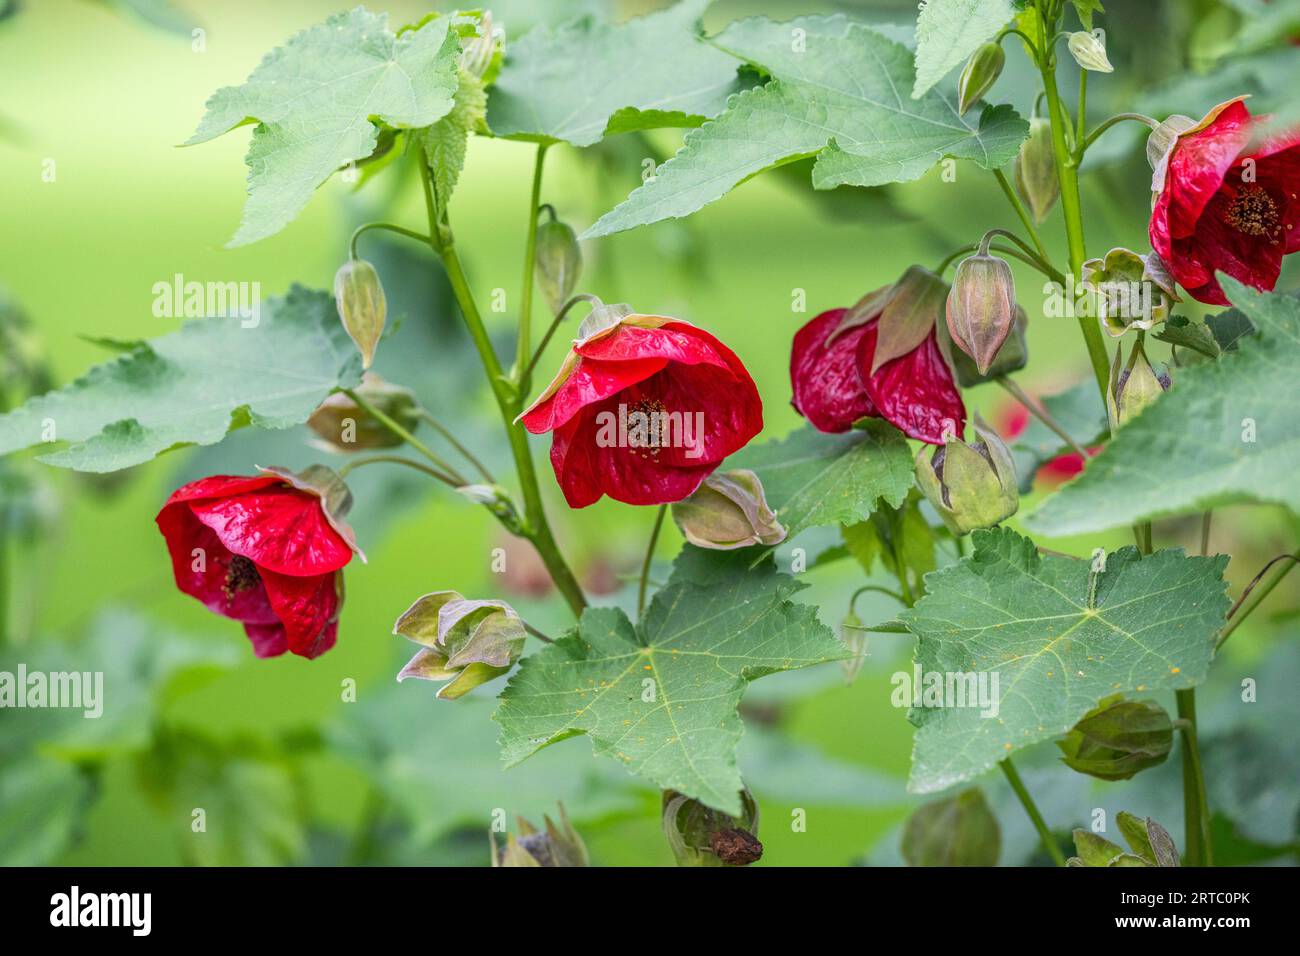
(288, 768)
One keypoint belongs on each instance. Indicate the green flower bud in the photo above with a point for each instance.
(344, 426)
(979, 74)
(1130, 291)
(1150, 843)
(958, 831)
(1118, 738)
(480, 51)
(359, 296)
(465, 642)
(699, 835)
(1012, 357)
(558, 260)
(1132, 387)
(981, 308)
(1089, 52)
(854, 638)
(728, 511)
(556, 846)
(1035, 170)
(971, 486)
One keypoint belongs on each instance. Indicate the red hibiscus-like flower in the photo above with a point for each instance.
(266, 550)
(830, 372)
(643, 409)
(1222, 206)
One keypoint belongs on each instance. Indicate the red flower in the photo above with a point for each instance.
(1221, 206)
(643, 410)
(833, 385)
(264, 551)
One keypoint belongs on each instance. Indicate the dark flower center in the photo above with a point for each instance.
(241, 575)
(1253, 212)
(650, 432)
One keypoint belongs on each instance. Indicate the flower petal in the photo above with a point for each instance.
(308, 608)
(279, 528)
(828, 389)
(915, 392)
(201, 567)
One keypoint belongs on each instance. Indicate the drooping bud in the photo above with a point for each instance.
(555, 846)
(699, 835)
(359, 296)
(981, 308)
(1150, 845)
(558, 261)
(971, 486)
(344, 426)
(1089, 52)
(958, 831)
(465, 642)
(1133, 386)
(854, 637)
(1118, 738)
(1012, 357)
(728, 511)
(979, 74)
(1130, 291)
(1035, 170)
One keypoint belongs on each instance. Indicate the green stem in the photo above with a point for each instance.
(348, 467)
(649, 556)
(441, 429)
(1196, 811)
(1205, 532)
(876, 588)
(390, 227)
(524, 348)
(1041, 413)
(1241, 610)
(1025, 218)
(406, 436)
(1015, 253)
(555, 324)
(1106, 124)
(1031, 808)
(1042, 264)
(1079, 117)
(1067, 172)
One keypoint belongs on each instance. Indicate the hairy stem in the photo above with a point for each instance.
(387, 226)
(348, 467)
(1196, 810)
(522, 351)
(649, 556)
(441, 429)
(1041, 413)
(1031, 808)
(449, 470)
(1241, 610)
(1025, 218)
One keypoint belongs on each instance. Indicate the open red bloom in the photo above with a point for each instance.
(642, 410)
(264, 551)
(833, 385)
(1221, 206)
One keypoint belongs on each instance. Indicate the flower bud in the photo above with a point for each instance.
(699, 835)
(556, 846)
(1089, 52)
(1132, 387)
(1118, 738)
(981, 308)
(728, 511)
(1130, 291)
(979, 74)
(958, 831)
(1150, 845)
(971, 486)
(344, 426)
(558, 259)
(478, 51)
(465, 642)
(1012, 357)
(1035, 170)
(360, 300)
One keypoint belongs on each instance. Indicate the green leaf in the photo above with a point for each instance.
(949, 31)
(315, 101)
(41, 804)
(816, 478)
(960, 830)
(192, 386)
(1085, 9)
(838, 91)
(1188, 334)
(661, 696)
(1224, 433)
(446, 141)
(1057, 638)
(586, 80)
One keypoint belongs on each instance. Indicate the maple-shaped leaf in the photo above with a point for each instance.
(586, 80)
(1224, 433)
(1047, 638)
(661, 696)
(949, 31)
(816, 478)
(192, 386)
(839, 90)
(315, 101)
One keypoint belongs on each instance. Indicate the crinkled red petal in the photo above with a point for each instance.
(828, 389)
(278, 528)
(914, 392)
(306, 607)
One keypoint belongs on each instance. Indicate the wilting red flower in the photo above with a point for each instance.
(833, 385)
(643, 409)
(1220, 206)
(262, 550)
